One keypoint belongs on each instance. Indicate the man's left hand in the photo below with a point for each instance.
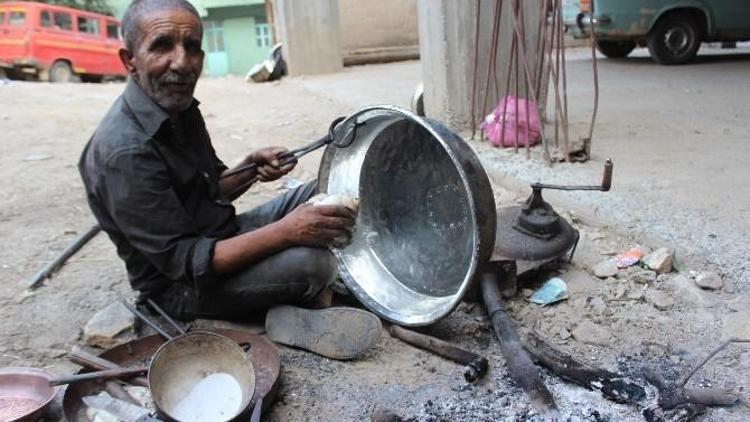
(269, 165)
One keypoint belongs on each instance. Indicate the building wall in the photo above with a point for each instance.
(239, 36)
(378, 27)
(242, 49)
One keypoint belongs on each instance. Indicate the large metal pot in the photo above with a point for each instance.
(427, 214)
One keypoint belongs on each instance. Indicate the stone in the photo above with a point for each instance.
(642, 276)
(686, 291)
(564, 333)
(708, 280)
(659, 299)
(735, 324)
(659, 260)
(589, 333)
(110, 327)
(597, 304)
(605, 269)
(635, 294)
(739, 303)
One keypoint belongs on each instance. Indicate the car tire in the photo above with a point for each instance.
(675, 39)
(615, 49)
(61, 72)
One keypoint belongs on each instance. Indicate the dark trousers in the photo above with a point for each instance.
(292, 276)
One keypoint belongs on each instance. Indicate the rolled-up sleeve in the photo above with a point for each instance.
(138, 192)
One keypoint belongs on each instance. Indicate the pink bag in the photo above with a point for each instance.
(505, 134)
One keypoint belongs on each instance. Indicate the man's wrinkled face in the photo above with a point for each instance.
(168, 59)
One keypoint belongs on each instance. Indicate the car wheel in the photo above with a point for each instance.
(61, 72)
(615, 49)
(675, 39)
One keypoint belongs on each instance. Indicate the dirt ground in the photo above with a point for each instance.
(615, 322)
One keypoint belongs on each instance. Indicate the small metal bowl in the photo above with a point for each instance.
(427, 213)
(25, 394)
(183, 362)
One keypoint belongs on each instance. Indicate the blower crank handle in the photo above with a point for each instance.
(604, 187)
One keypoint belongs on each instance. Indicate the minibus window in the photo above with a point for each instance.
(63, 21)
(112, 31)
(2, 17)
(45, 20)
(88, 25)
(17, 18)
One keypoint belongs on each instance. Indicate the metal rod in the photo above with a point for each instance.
(526, 85)
(476, 71)
(492, 59)
(596, 77)
(507, 89)
(527, 75)
(97, 363)
(148, 321)
(63, 256)
(604, 187)
(164, 315)
(99, 375)
(563, 77)
(257, 409)
(519, 42)
(476, 366)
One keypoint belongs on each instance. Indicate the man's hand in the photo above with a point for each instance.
(317, 226)
(269, 166)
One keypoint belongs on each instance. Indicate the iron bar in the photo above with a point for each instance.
(56, 263)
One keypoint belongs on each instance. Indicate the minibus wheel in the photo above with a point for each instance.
(61, 72)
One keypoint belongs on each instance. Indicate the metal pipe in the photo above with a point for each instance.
(519, 364)
(148, 321)
(164, 315)
(476, 366)
(64, 255)
(476, 71)
(491, 65)
(97, 363)
(604, 187)
(99, 375)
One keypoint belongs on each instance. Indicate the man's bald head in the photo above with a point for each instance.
(141, 8)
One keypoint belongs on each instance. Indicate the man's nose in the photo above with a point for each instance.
(179, 62)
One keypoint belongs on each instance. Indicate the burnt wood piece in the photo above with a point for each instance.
(611, 385)
(674, 395)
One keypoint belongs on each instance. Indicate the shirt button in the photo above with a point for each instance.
(206, 176)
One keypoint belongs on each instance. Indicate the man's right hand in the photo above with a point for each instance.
(317, 226)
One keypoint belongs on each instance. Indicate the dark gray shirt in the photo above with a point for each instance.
(153, 187)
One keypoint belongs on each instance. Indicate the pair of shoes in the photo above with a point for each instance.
(336, 333)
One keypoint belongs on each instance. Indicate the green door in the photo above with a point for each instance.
(217, 60)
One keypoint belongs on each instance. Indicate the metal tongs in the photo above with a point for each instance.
(294, 155)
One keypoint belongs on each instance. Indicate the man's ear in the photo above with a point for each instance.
(127, 60)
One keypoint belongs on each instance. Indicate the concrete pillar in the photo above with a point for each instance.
(311, 35)
(446, 43)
